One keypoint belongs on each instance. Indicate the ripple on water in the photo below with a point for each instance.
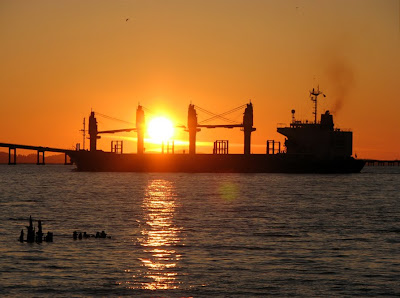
(175, 235)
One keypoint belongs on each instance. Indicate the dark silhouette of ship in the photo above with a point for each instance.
(311, 147)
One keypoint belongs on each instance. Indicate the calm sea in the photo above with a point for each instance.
(201, 235)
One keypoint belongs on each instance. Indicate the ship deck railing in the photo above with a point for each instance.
(299, 124)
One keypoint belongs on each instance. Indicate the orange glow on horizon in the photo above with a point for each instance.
(60, 60)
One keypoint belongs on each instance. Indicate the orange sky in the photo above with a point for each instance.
(59, 59)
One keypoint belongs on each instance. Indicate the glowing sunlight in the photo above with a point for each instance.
(160, 129)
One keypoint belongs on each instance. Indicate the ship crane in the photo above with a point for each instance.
(246, 125)
(140, 128)
(314, 98)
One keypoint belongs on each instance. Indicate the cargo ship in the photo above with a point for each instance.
(309, 147)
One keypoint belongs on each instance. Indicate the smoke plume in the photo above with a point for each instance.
(341, 78)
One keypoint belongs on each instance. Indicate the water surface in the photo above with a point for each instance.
(201, 235)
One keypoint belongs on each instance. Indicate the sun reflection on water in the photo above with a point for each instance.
(160, 237)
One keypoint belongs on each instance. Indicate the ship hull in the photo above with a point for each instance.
(100, 161)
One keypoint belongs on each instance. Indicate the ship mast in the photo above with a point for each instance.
(314, 98)
(84, 132)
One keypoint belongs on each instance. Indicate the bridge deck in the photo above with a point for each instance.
(12, 152)
(38, 148)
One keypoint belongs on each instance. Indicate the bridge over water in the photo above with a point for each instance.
(12, 152)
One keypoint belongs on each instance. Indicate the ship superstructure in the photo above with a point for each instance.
(319, 139)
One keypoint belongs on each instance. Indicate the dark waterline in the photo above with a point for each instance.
(201, 235)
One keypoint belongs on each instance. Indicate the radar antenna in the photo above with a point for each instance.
(314, 98)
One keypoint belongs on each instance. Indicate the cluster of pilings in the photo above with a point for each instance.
(85, 235)
(37, 237)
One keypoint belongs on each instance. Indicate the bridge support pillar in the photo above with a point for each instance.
(40, 162)
(12, 161)
(67, 161)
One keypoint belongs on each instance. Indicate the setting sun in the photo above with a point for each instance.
(160, 129)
